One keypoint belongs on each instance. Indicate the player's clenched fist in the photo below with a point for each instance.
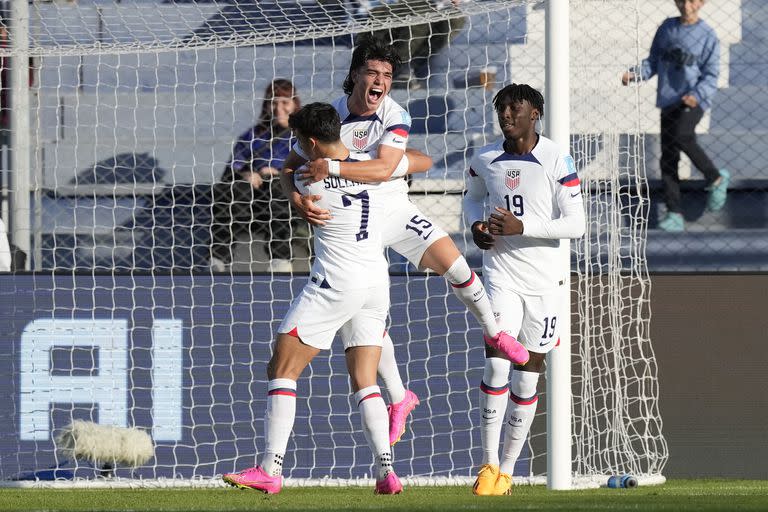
(480, 235)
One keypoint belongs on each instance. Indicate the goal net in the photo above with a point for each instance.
(129, 320)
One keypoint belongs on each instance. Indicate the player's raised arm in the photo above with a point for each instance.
(304, 204)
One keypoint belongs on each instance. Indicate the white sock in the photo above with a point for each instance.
(520, 413)
(493, 404)
(278, 423)
(389, 372)
(375, 421)
(470, 290)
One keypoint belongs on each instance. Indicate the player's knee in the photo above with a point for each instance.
(441, 255)
(496, 371)
(523, 384)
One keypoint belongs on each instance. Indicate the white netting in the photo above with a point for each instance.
(94, 27)
(135, 109)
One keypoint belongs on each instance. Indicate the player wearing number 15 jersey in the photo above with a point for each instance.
(523, 197)
(348, 292)
(374, 124)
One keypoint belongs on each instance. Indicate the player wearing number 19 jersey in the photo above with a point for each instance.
(542, 189)
(523, 197)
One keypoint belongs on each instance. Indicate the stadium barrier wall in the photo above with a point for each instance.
(184, 357)
(708, 330)
(709, 334)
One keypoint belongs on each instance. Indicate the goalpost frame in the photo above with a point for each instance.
(557, 116)
(565, 433)
(20, 128)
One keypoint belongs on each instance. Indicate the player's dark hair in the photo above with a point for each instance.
(317, 120)
(370, 48)
(517, 93)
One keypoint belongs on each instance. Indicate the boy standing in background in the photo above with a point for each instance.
(685, 54)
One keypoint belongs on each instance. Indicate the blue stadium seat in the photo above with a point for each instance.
(167, 232)
(450, 117)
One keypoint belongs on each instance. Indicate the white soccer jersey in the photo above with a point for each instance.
(542, 189)
(348, 249)
(362, 135)
(407, 230)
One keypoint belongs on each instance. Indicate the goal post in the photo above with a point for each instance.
(557, 114)
(21, 178)
(134, 112)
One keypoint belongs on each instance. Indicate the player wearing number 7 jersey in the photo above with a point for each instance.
(530, 188)
(375, 125)
(348, 292)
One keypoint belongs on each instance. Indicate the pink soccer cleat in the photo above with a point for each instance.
(512, 348)
(254, 478)
(398, 413)
(390, 485)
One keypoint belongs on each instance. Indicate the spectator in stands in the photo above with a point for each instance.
(248, 198)
(685, 53)
(416, 44)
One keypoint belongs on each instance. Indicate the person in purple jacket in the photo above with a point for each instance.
(685, 54)
(248, 197)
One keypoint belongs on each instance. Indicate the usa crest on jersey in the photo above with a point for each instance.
(512, 180)
(360, 138)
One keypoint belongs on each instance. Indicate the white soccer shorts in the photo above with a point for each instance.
(409, 232)
(532, 319)
(318, 313)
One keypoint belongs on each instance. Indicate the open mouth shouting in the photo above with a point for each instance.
(375, 94)
(372, 82)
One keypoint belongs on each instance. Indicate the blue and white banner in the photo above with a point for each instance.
(184, 357)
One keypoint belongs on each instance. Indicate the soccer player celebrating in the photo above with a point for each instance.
(348, 291)
(533, 195)
(373, 124)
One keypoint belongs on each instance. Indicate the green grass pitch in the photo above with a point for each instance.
(675, 495)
